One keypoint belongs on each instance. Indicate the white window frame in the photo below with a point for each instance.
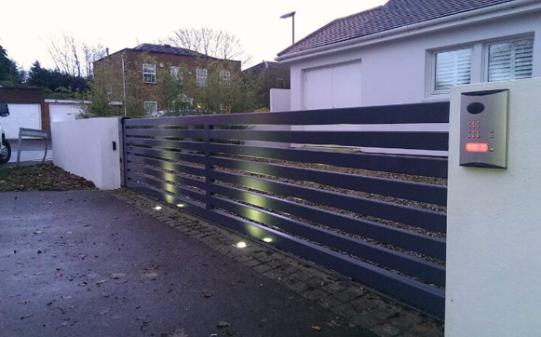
(147, 72)
(154, 103)
(225, 75)
(431, 78)
(486, 52)
(176, 72)
(200, 80)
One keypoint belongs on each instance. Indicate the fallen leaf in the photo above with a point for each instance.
(223, 324)
(116, 276)
(207, 293)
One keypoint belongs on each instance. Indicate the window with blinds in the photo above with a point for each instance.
(453, 67)
(510, 60)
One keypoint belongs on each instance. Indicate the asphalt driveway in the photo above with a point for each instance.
(84, 263)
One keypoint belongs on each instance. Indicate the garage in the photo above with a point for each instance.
(335, 86)
(21, 116)
(64, 110)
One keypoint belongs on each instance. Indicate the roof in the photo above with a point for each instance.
(264, 65)
(167, 49)
(394, 14)
(162, 49)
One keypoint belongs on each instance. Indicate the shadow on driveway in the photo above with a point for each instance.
(84, 263)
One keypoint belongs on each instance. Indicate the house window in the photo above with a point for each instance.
(201, 75)
(225, 75)
(510, 60)
(176, 73)
(149, 73)
(151, 108)
(452, 67)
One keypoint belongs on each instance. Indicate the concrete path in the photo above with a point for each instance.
(84, 263)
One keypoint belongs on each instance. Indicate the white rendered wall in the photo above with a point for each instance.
(84, 147)
(279, 100)
(397, 72)
(493, 285)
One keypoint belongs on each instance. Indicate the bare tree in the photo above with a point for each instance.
(216, 43)
(73, 57)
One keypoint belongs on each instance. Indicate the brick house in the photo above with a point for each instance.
(134, 75)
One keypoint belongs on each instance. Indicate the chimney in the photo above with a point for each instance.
(107, 51)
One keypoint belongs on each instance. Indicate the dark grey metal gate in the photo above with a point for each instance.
(377, 218)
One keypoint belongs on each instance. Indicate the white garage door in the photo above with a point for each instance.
(64, 112)
(21, 116)
(336, 86)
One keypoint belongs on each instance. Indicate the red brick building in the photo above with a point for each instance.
(134, 75)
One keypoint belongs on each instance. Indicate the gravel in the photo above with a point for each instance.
(41, 177)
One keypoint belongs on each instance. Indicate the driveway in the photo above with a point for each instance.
(83, 263)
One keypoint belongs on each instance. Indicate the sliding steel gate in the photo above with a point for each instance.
(309, 189)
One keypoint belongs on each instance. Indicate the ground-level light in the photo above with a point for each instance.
(241, 244)
(157, 208)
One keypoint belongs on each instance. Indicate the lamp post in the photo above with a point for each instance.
(292, 16)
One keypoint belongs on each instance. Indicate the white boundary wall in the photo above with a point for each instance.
(84, 147)
(279, 100)
(493, 285)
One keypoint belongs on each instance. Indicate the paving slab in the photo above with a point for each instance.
(84, 263)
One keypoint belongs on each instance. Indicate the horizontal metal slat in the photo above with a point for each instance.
(395, 188)
(169, 177)
(166, 154)
(415, 267)
(138, 178)
(398, 237)
(163, 132)
(165, 143)
(430, 140)
(414, 165)
(164, 165)
(427, 219)
(436, 112)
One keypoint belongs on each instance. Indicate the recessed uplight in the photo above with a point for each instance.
(157, 208)
(181, 205)
(267, 239)
(241, 244)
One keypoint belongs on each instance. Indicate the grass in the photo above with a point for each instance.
(40, 177)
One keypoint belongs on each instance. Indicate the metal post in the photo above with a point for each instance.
(19, 143)
(293, 29)
(292, 16)
(124, 85)
(208, 168)
(124, 158)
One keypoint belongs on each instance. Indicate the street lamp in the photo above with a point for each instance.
(292, 16)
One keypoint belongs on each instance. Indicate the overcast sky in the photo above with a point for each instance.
(26, 26)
